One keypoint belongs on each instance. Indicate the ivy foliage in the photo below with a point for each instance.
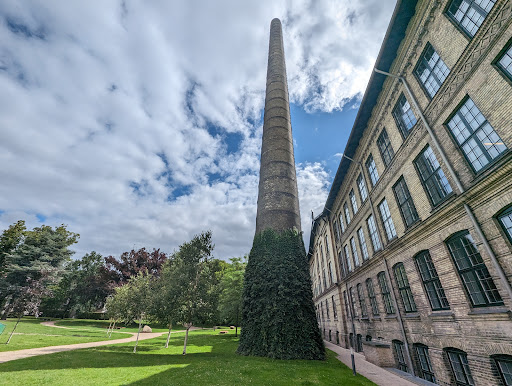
(278, 315)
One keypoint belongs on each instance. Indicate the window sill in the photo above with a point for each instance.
(489, 311)
(390, 316)
(443, 314)
(412, 315)
(365, 319)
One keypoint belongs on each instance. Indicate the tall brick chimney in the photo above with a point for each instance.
(278, 199)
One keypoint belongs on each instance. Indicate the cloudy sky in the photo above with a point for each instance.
(138, 123)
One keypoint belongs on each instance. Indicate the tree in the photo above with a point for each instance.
(29, 299)
(132, 301)
(231, 289)
(39, 253)
(83, 287)
(131, 263)
(194, 275)
(278, 315)
(166, 296)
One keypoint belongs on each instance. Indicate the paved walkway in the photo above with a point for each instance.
(19, 354)
(368, 370)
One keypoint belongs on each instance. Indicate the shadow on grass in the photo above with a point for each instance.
(211, 359)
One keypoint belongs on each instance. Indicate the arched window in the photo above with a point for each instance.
(477, 281)
(386, 294)
(404, 288)
(504, 365)
(424, 365)
(362, 302)
(371, 295)
(431, 282)
(398, 347)
(458, 360)
(505, 220)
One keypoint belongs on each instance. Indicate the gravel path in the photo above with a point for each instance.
(19, 354)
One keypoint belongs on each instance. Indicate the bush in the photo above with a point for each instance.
(278, 315)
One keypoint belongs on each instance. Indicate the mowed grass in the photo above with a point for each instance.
(210, 360)
(103, 324)
(31, 334)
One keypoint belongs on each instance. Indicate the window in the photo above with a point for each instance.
(432, 176)
(347, 258)
(362, 302)
(359, 341)
(336, 231)
(342, 224)
(431, 282)
(399, 352)
(387, 220)
(330, 274)
(347, 213)
(322, 308)
(405, 203)
(385, 148)
(404, 116)
(460, 367)
(475, 135)
(361, 185)
(352, 301)
(504, 365)
(403, 288)
(371, 295)
(342, 265)
(472, 270)
(368, 338)
(431, 71)
(326, 246)
(353, 201)
(469, 14)
(374, 234)
(504, 61)
(372, 170)
(346, 303)
(425, 366)
(362, 244)
(334, 312)
(386, 295)
(505, 219)
(354, 252)
(337, 337)
(327, 309)
(330, 336)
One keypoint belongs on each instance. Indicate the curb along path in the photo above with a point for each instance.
(20, 354)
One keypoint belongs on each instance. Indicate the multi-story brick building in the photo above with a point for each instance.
(411, 258)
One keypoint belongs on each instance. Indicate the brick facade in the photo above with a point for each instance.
(479, 330)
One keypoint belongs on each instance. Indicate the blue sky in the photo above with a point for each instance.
(138, 124)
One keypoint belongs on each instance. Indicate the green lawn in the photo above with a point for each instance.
(211, 360)
(31, 334)
(89, 323)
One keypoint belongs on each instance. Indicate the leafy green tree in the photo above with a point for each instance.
(39, 255)
(166, 295)
(132, 301)
(278, 315)
(231, 289)
(194, 275)
(83, 287)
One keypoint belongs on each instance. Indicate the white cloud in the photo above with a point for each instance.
(106, 108)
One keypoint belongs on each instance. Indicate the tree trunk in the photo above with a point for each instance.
(186, 338)
(138, 332)
(112, 329)
(168, 336)
(109, 325)
(14, 329)
(236, 330)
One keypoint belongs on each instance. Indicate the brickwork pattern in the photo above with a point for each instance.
(478, 331)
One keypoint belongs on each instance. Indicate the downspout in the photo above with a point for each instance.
(478, 229)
